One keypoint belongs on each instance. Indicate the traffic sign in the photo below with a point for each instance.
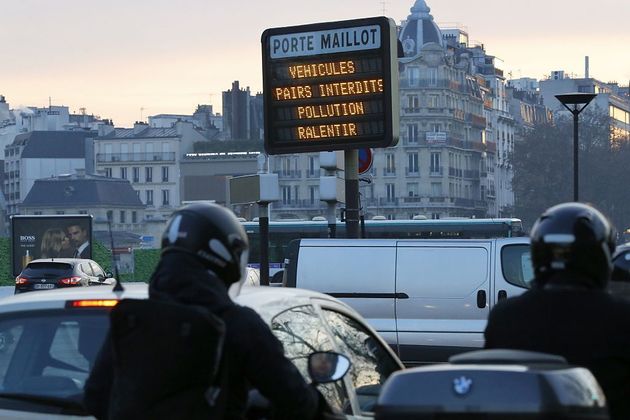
(330, 86)
(366, 158)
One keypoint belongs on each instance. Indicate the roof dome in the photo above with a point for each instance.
(419, 29)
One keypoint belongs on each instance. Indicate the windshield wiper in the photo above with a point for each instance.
(68, 405)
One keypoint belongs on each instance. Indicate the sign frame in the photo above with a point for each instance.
(386, 50)
(28, 231)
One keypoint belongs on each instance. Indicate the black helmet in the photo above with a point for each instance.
(212, 234)
(574, 238)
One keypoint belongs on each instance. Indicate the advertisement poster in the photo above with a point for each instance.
(51, 236)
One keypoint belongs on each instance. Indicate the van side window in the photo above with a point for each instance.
(517, 265)
(300, 330)
(371, 363)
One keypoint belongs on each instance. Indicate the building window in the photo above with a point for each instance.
(313, 193)
(165, 197)
(435, 163)
(134, 216)
(164, 173)
(60, 212)
(148, 174)
(136, 174)
(412, 133)
(413, 163)
(37, 213)
(390, 163)
(433, 101)
(83, 212)
(123, 216)
(286, 195)
(110, 215)
(436, 189)
(413, 101)
(413, 189)
(391, 192)
(414, 76)
(123, 173)
(149, 197)
(108, 172)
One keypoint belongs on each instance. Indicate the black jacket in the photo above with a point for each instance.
(253, 356)
(590, 328)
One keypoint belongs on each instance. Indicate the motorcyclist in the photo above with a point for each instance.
(204, 254)
(568, 311)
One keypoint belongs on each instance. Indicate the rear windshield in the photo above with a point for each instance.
(46, 268)
(517, 265)
(50, 353)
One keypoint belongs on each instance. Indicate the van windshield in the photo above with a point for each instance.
(517, 265)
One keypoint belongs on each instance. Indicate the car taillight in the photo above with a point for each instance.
(92, 303)
(71, 280)
(21, 280)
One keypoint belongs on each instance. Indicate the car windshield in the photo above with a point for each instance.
(47, 269)
(49, 353)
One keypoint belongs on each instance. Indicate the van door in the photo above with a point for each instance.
(513, 269)
(361, 276)
(448, 287)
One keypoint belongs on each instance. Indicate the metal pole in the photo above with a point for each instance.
(575, 156)
(263, 225)
(351, 160)
(332, 220)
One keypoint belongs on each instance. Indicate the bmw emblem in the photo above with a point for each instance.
(43, 280)
(462, 385)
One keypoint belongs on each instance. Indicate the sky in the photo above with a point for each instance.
(128, 59)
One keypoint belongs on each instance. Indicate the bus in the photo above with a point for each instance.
(283, 232)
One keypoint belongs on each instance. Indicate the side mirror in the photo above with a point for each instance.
(326, 366)
(108, 274)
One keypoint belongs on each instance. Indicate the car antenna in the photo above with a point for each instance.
(118, 287)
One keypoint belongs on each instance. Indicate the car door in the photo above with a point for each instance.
(372, 361)
(87, 274)
(99, 273)
(302, 332)
(447, 284)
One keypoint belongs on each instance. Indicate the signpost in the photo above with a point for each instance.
(332, 86)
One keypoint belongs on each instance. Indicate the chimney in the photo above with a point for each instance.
(106, 128)
(586, 69)
(139, 127)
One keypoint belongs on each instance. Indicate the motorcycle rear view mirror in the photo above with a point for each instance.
(326, 366)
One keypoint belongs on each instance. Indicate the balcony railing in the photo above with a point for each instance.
(290, 174)
(435, 171)
(389, 172)
(412, 171)
(298, 204)
(136, 157)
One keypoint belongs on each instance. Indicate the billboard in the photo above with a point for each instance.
(51, 236)
(330, 86)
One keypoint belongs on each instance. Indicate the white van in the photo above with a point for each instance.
(429, 299)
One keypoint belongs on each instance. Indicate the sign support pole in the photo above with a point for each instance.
(351, 161)
(263, 225)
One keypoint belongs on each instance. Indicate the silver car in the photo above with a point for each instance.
(50, 340)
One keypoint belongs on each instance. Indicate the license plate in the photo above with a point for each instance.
(43, 286)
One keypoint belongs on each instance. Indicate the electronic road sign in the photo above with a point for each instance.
(330, 86)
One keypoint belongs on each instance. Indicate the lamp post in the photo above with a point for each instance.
(575, 103)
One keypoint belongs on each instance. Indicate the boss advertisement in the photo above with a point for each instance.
(58, 236)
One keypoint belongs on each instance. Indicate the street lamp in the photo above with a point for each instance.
(575, 103)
